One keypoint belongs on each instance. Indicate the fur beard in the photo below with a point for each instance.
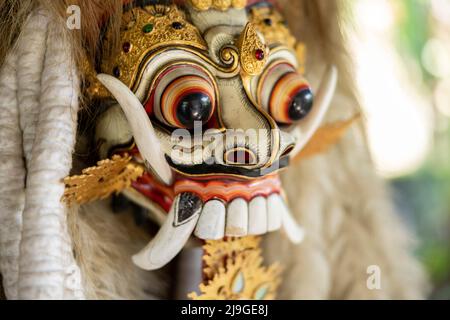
(336, 197)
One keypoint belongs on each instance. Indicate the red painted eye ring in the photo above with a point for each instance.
(188, 99)
(182, 85)
(283, 98)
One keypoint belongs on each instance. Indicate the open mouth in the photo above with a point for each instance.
(236, 207)
(212, 208)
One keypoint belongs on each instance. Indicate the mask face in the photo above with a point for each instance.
(213, 104)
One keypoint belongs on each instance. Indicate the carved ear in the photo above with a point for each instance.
(41, 102)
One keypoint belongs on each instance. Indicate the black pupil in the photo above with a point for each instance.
(301, 105)
(195, 107)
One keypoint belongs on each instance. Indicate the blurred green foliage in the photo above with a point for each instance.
(424, 197)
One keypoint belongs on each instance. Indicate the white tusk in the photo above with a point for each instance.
(307, 127)
(294, 232)
(173, 235)
(141, 126)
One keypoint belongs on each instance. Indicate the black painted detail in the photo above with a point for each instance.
(206, 169)
(177, 25)
(195, 107)
(268, 22)
(116, 72)
(187, 207)
(301, 105)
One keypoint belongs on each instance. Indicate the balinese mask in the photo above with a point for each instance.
(193, 110)
(209, 100)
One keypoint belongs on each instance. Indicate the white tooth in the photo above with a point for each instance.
(274, 207)
(293, 231)
(237, 218)
(211, 225)
(169, 240)
(141, 126)
(257, 216)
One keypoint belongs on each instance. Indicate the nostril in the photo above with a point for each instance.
(240, 156)
(287, 151)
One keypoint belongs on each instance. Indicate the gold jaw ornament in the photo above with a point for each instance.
(233, 266)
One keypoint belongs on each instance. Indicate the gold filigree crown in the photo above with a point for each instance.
(222, 5)
(146, 29)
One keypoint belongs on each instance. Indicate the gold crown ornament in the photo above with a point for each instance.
(146, 29)
(253, 51)
(271, 24)
(221, 5)
(234, 270)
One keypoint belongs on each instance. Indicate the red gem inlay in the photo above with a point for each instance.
(259, 54)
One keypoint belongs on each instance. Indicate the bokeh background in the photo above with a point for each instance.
(402, 52)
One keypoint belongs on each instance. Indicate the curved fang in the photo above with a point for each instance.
(294, 232)
(141, 127)
(173, 235)
(307, 127)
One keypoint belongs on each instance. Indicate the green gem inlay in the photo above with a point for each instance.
(148, 28)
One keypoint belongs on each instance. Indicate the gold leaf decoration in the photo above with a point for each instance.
(234, 270)
(147, 29)
(92, 86)
(218, 251)
(300, 50)
(222, 5)
(325, 138)
(108, 177)
(271, 24)
(254, 53)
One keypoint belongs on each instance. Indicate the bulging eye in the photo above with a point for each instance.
(183, 97)
(285, 94)
(187, 100)
(291, 99)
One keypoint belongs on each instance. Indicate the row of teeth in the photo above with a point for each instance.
(241, 218)
(213, 221)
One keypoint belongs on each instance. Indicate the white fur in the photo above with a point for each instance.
(12, 177)
(20, 104)
(47, 269)
(350, 225)
(103, 244)
(31, 52)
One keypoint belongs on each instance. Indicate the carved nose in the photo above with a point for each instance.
(239, 156)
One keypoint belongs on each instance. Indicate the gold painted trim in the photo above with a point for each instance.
(221, 5)
(250, 45)
(237, 176)
(232, 70)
